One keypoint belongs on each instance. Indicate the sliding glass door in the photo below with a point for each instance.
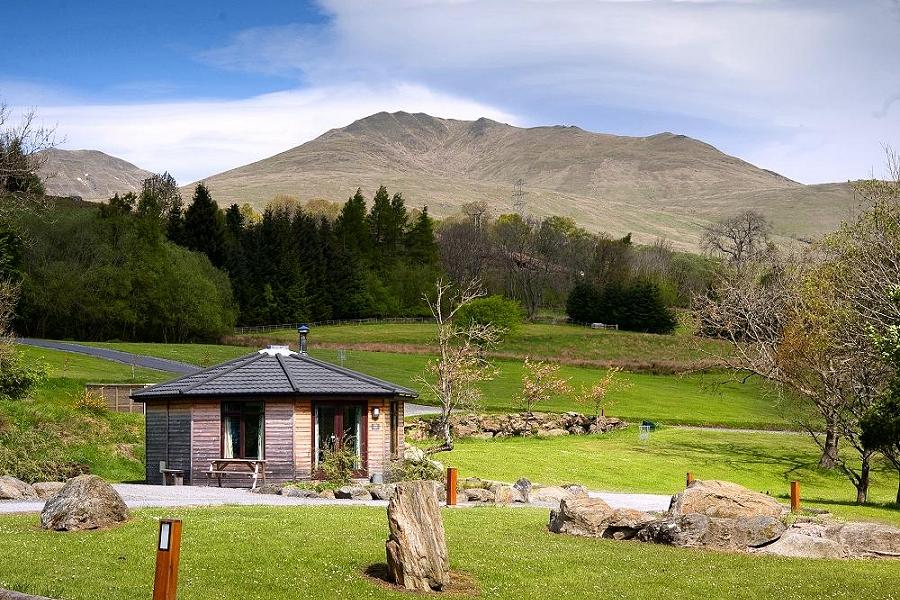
(340, 424)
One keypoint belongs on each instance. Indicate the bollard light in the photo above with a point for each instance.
(168, 554)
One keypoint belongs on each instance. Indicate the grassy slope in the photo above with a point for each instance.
(689, 399)
(620, 461)
(320, 552)
(564, 343)
(110, 443)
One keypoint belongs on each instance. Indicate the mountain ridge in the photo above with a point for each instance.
(88, 174)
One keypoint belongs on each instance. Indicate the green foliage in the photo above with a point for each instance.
(18, 379)
(204, 226)
(492, 310)
(582, 303)
(339, 461)
(90, 401)
(416, 466)
(880, 426)
(635, 306)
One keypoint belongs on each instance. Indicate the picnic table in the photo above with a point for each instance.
(255, 468)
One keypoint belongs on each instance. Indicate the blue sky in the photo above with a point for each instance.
(809, 88)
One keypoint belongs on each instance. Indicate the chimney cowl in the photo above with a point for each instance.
(302, 331)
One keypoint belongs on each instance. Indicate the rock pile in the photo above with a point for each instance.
(515, 425)
(719, 515)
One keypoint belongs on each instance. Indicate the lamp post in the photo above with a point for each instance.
(168, 553)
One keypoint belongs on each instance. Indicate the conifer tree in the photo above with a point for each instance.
(204, 226)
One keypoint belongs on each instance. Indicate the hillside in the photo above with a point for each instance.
(663, 185)
(89, 174)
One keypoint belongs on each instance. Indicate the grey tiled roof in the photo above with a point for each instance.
(266, 374)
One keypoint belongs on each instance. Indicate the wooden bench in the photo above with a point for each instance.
(255, 469)
(172, 476)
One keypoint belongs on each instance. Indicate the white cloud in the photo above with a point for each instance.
(197, 139)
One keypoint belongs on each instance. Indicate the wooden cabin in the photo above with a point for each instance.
(275, 408)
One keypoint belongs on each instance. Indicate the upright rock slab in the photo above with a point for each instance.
(723, 499)
(417, 549)
(85, 502)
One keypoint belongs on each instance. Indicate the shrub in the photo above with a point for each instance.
(494, 310)
(582, 303)
(636, 306)
(16, 379)
(91, 401)
(339, 462)
(414, 466)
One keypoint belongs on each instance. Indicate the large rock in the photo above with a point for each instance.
(47, 489)
(805, 540)
(865, 540)
(479, 495)
(592, 517)
(16, 489)
(382, 491)
(523, 485)
(724, 499)
(295, 492)
(417, 549)
(352, 492)
(85, 502)
(695, 530)
(506, 494)
(549, 495)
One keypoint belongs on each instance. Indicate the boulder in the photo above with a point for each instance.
(724, 499)
(523, 486)
(804, 540)
(16, 489)
(47, 489)
(294, 492)
(555, 432)
(549, 495)
(382, 491)
(865, 540)
(272, 489)
(592, 517)
(327, 494)
(507, 494)
(417, 549)
(575, 489)
(352, 492)
(695, 530)
(479, 495)
(85, 502)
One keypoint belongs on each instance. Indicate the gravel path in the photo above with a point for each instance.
(158, 496)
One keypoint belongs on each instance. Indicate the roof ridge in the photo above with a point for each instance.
(368, 378)
(224, 372)
(199, 371)
(287, 373)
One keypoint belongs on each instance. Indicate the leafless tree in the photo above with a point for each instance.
(22, 146)
(453, 377)
(465, 250)
(738, 239)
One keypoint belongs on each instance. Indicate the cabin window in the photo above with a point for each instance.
(242, 430)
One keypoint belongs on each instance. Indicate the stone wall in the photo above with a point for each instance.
(515, 425)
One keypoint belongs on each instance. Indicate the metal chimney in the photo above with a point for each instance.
(302, 330)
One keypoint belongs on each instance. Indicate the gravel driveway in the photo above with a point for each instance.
(156, 496)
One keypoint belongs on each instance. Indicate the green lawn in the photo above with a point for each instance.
(564, 343)
(287, 553)
(697, 399)
(620, 461)
(203, 355)
(71, 365)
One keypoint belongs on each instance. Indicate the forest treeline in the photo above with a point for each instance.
(148, 266)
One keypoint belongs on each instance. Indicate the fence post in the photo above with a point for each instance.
(795, 496)
(451, 486)
(689, 479)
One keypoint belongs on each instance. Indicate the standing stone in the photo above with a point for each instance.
(417, 549)
(85, 502)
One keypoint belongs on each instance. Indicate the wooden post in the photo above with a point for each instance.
(451, 486)
(795, 496)
(689, 478)
(168, 552)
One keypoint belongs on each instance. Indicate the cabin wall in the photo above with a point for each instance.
(168, 439)
(206, 423)
(303, 439)
(379, 437)
(279, 441)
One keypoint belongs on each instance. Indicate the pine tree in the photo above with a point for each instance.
(350, 228)
(421, 246)
(204, 226)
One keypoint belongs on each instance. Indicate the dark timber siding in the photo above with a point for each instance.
(168, 435)
(279, 440)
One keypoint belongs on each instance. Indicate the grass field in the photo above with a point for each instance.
(697, 399)
(619, 461)
(563, 343)
(287, 553)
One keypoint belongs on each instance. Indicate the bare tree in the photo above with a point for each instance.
(22, 147)
(465, 249)
(460, 365)
(738, 239)
(540, 380)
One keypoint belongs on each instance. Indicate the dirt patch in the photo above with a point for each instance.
(461, 584)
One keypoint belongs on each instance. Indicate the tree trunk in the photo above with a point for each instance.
(862, 484)
(829, 457)
(898, 487)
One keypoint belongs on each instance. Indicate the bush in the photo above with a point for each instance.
(582, 303)
(339, 462)
(91, 401)
(415, 466)
(16, 379)
(494, 310)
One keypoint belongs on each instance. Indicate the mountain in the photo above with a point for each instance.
(89, 174)
(664, 185)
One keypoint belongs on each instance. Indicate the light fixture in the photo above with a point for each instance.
(376, 412)
(165, 535)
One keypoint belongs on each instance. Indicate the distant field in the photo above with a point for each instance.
(569, 344)
(698, 399)
(70, 365)
(620, 461)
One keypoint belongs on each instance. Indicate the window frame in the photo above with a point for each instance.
(227, 411)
